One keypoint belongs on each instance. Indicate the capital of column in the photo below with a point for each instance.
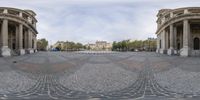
(5, 11)
(171, 14)
(20, 14)
(163, 20)
(186, 11)
(30, 36)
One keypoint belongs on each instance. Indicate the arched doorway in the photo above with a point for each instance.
(196, 43)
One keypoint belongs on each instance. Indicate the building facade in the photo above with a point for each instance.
(178, 31)
(100, 45)
(60, 44)
(17, 31)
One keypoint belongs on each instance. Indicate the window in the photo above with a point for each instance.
(196, 43)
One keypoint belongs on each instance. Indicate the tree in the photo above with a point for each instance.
(114, 46)
(42, 44)
(59, 48)
(127, 45)
(71, 46)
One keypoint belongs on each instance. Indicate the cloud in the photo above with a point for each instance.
(87, 21)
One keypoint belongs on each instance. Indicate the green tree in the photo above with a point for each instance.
(42, 44)
(126, 45)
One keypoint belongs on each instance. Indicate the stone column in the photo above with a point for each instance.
(20, 37)
(166, 40)
(30, 49)
(25, 40)
(186, 37)
(17, 37)
(10, 42)
(171, 48)
(35, 44)
(175, 40)
(163, 42)
(158, 43)
(5, 51)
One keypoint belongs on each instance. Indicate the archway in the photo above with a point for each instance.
(196, 43)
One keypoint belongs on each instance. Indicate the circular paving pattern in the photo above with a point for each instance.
(101, 75)
(87, 78)
(12, 81)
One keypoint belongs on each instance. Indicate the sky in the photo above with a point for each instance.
(87, 21)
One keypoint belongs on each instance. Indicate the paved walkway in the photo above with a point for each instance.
(99, 76)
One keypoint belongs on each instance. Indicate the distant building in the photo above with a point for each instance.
(100, 46)
(60, 45)
(90, 46)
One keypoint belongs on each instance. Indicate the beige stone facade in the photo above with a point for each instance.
(18, 32)
(178, 31)
(60, 44)
(100, 45)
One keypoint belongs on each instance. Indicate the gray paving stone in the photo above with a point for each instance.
(99, 76)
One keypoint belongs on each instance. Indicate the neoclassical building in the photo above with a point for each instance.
(178, 31)
(17, 31)
(100, 45)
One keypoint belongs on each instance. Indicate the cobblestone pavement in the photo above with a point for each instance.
(99, 76)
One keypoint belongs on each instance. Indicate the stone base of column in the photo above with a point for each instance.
(175, 52)
(163, 51)
(5, 51)
(185, 52)
(170, 51)
(30, 51)
(157, 50)
(21, 52)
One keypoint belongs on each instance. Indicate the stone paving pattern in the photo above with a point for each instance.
(99, 76)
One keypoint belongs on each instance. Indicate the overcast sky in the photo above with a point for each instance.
(90, 20)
